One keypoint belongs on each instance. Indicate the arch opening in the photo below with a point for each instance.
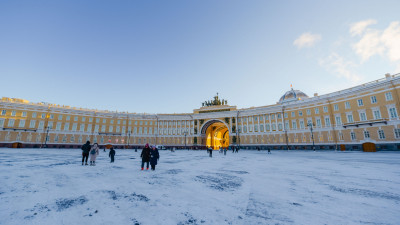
(216, 134)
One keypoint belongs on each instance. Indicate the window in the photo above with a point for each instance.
(308, 112)
(74, 126)
(117, 129)
(11, 122)
(90, 119)
(3, 112)
(392, 113)
(388, 96)
(366, 134)
(301, 124)
(266, 117)
(273, 126)
(60, 117)
(336, 107)
(377, 114)
(350, 118)
(66, 126)
(286, 116)
(58, 126)
(267, 127)
(272, 116)
(363, 116)
(103, 128)
(373, 99)
(294, 125)
(338, 121)
(89, 128)
(23, 114)
(82, 128)
(325, 108)
(1, 122)
(68, 118)
(327, 122)
(318, 123)
(293, 114)
(41, 125)
(118, 121)
(75, 118)
(261, 128)
(84, 118)
(22, 123)
(110, 129)
(32, 124)
(353, 136)
(111, 121)
(141, 123)
(13, 113)
(125, 122)
(280, 126)
(381, 134)
(300, 113)
(396, 132)
(279, 115)
(51, 116)
(360, 102)
(347, 105)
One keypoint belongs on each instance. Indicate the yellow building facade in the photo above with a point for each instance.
(363, 117)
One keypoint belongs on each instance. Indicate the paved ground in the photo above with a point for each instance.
(51, 187)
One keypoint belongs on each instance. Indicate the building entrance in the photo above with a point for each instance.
(215, 134)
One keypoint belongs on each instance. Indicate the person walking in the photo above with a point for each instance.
(111, 154)
(225, 151)
(145, 155)
(154, 157)
(269, 151)
(210, 149)
(94, 152)
(85, 152)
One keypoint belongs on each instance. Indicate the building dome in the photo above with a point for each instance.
(292, 95)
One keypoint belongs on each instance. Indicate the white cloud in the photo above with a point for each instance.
(340, 67)
(306, 40)
(369, 45)
(379, 42)
(391, 40)
(359, 27)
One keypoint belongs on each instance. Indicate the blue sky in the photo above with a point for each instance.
(169, 56)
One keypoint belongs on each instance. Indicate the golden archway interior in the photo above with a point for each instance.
(217, 136)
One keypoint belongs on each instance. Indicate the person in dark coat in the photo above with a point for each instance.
(154, 157)
(85, 152)
(145, 156)
(111, 154)
(210, 151)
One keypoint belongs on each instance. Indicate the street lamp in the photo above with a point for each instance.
(129, 137)
(309, 124)
(185, 133)
(47, 136)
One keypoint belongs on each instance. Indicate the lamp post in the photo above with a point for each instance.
(309, 124)
(185, 133)
(129, 137)
(47, 136)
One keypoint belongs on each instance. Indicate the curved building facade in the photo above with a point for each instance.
(363, 117)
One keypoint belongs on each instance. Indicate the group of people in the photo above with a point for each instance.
(93, 151)
(150, 155)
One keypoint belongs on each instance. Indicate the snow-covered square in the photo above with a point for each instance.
(50, 186)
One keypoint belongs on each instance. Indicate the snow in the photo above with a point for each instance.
(50, 186)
